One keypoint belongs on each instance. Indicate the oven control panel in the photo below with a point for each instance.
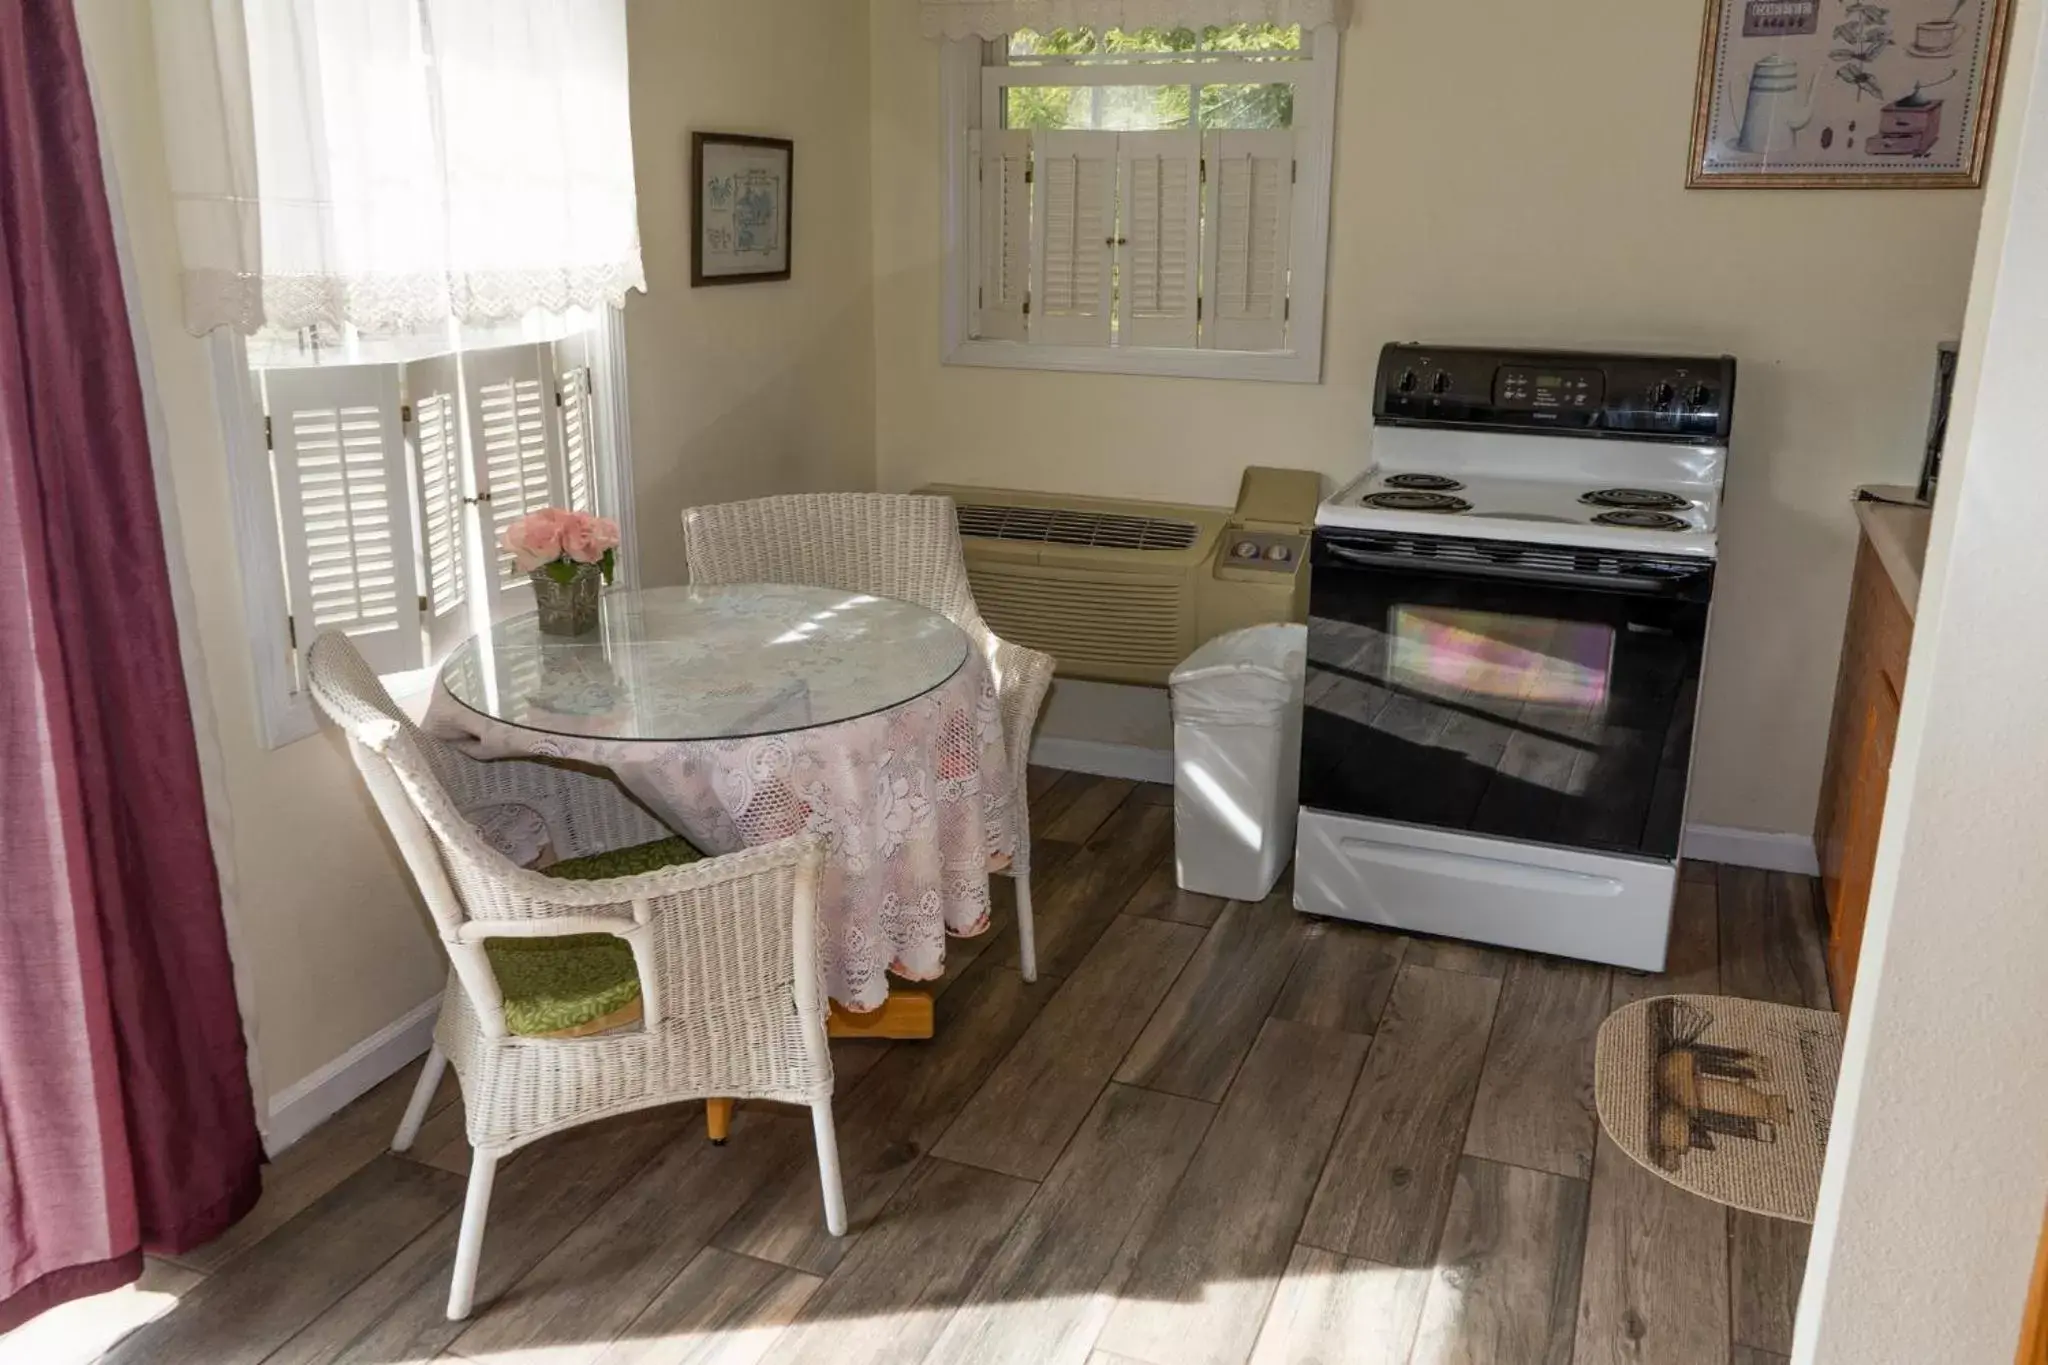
(1527, 388)
(1680, 398)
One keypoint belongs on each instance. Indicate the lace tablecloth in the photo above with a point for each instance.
(912, 802)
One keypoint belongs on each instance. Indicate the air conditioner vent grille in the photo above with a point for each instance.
(1057, 526)
(1089, 625)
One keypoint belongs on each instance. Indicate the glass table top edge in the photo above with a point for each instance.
(682, 665)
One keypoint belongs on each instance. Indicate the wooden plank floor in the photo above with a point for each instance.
(1212, 1132)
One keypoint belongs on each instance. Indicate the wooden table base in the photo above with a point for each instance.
(905, 1014)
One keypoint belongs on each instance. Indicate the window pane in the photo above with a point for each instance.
(1115, 108)
(1150, 40)
(1087, 42)
(1248, 106)
(1252, 38)
(1059, 42)
(1231, 39)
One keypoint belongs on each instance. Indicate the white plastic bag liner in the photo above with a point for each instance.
(1237, 760)
(1248, 677)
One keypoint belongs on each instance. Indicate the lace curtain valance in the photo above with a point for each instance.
(992, 18)
(395, 163)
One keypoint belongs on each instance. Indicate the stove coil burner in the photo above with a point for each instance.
(1637, 520)
(1635, 499)
(1429, 483)
(1415, 502)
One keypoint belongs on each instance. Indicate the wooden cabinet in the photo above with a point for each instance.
(1867, 691)
(2034, 1326)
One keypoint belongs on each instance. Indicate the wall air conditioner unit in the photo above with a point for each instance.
(1121, 591)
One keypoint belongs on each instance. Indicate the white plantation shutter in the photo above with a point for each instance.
(1159, 244)
(577, 411)
(508, 394)
(1002, 233)
(434, 392)
(338, 453)
(1074, 213)
(1250, 215)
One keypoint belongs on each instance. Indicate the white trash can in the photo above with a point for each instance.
(1237, 760)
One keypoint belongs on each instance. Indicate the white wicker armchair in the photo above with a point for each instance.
(892, 545)
(726, 951)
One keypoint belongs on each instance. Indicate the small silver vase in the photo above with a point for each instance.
(568, 608)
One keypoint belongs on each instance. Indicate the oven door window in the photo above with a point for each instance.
(1554, 714)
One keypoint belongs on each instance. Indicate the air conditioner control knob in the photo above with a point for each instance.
(1246, 549)
(1279, 554)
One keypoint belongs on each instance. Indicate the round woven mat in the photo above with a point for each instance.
(1728, 1098)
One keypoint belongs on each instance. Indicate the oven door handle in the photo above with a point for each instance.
(1598, 582)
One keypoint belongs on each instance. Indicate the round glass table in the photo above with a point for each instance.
(678, 664)
(744, 714)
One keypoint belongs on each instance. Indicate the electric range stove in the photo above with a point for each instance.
(1508, 620)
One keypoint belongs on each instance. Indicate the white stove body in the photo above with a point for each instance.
(1533, 495)
(1413, 879)
(1573, 902)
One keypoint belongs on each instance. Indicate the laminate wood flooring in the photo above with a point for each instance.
(1211, 1131)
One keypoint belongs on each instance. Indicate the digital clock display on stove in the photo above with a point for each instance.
(1557, 391)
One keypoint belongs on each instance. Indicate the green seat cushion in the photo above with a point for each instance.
(551, 984)
(627, 862)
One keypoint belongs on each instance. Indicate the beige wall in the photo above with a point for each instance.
(328, 934)
(1927, 1226)
(741, 390)
(1832, 301)
(734, 391)
(1505, 173)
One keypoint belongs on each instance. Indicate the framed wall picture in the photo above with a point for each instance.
(740, 214)
(1845, 94)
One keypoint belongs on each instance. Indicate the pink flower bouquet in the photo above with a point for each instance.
(560, 543)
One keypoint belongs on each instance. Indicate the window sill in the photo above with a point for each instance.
(1286, 367)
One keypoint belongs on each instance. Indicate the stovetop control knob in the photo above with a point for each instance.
(1441, 383)
(1698, 398)
(1662, 395)
(1408, 382)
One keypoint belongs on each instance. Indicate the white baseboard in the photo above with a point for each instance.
(306, 1104)
(1102, 758)
(1708, 843)
(1752, 848)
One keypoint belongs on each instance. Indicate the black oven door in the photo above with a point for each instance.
(1514, 691)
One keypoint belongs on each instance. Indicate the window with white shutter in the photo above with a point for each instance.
(1249, 216)
(1159, 243)
(575, 407)
(508, 400)
(345, 509)
(369, 497)
(434, 402)
(1002, 233)
(1145, 202)
(1073, 210)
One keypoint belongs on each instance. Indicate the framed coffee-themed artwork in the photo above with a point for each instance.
(740, 208)
(1845, 94)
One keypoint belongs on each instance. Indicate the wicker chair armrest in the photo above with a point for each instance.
(1023, 676)
(568, 924)
(552, 895)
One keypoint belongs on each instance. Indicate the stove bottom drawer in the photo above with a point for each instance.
(1568, 902)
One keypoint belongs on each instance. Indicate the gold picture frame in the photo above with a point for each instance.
(1863, 71)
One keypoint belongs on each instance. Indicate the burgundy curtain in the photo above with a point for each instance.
(125, 1114)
